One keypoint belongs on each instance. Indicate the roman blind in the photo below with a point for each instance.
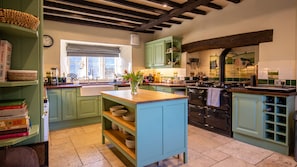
(92, 50)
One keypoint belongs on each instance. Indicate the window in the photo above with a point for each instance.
(93, 68)
(94, 62)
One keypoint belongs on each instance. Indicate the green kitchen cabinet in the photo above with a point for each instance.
(62, 104)
(264, 120)
(55, 103)
(88, 106)
(26, 55)
(164, 52)
(247, 116)
(169, 89)
(146, 87)
(69, 111)
(155, 54)
(67, 108)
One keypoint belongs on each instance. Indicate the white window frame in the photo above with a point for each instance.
(123, 63)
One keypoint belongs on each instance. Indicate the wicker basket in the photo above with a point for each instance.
(22, 19)
(21, 75)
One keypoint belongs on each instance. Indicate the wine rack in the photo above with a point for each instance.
(276, 114)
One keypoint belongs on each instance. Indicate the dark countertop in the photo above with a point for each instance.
(172, 84)
(262, 92)
(118, 84)
(62, 86)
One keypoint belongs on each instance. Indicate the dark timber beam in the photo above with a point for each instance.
(145, 7)
(234, 1)
(188, 6)
(239, 40)
(177, 5)
(48, 16)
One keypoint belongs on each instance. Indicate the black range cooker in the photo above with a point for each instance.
(217, 119)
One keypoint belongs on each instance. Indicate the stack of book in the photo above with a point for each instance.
(14, 119)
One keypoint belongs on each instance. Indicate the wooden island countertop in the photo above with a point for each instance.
(143, 96)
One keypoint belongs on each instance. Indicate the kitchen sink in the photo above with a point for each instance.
(272, 88)
(94, 90)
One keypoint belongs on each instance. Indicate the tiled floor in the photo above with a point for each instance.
(81, 147)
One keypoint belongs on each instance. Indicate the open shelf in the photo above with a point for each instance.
(276, 123)
(121, 121)
(34, 130)
(118, 139)
(18, 83)
(17, 30)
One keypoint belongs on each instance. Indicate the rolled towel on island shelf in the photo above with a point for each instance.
(213, 97)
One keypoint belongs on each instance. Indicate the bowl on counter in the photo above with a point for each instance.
(130, 141)
(129, 116)
(114, 108)
(119, 113)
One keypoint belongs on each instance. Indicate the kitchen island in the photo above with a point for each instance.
(160, 127)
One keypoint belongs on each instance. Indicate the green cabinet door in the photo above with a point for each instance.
(69, 104)
(88, 106)
(148, 55)
(247, 116)
(159, 54)
(55, 102)
(155, 54)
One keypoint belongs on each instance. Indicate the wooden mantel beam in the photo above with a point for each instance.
(232, 41)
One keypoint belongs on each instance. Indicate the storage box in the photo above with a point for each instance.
(21, 75)
(5, 59)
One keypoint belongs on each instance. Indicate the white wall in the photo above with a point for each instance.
(249, 16)
(67, 31)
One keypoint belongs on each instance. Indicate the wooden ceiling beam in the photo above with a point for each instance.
(77, 16)
(177, 5)
(232, 41)
(89, 23)
(145, 7)
(214, 6)
(90, 5)
(94, 12)
(234, 1)
(188, 6)
(119, 11)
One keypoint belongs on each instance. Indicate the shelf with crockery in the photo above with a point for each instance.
(153, 110)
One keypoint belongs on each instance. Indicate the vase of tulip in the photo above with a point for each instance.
(134, 80)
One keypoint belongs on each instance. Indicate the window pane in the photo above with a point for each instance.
(77, 66)
(109, 67)
(94, 68)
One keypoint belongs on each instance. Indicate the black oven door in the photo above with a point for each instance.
(196, 115)
(219, 119)
(197, 96)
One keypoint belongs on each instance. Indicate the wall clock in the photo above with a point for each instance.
(48, 41)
